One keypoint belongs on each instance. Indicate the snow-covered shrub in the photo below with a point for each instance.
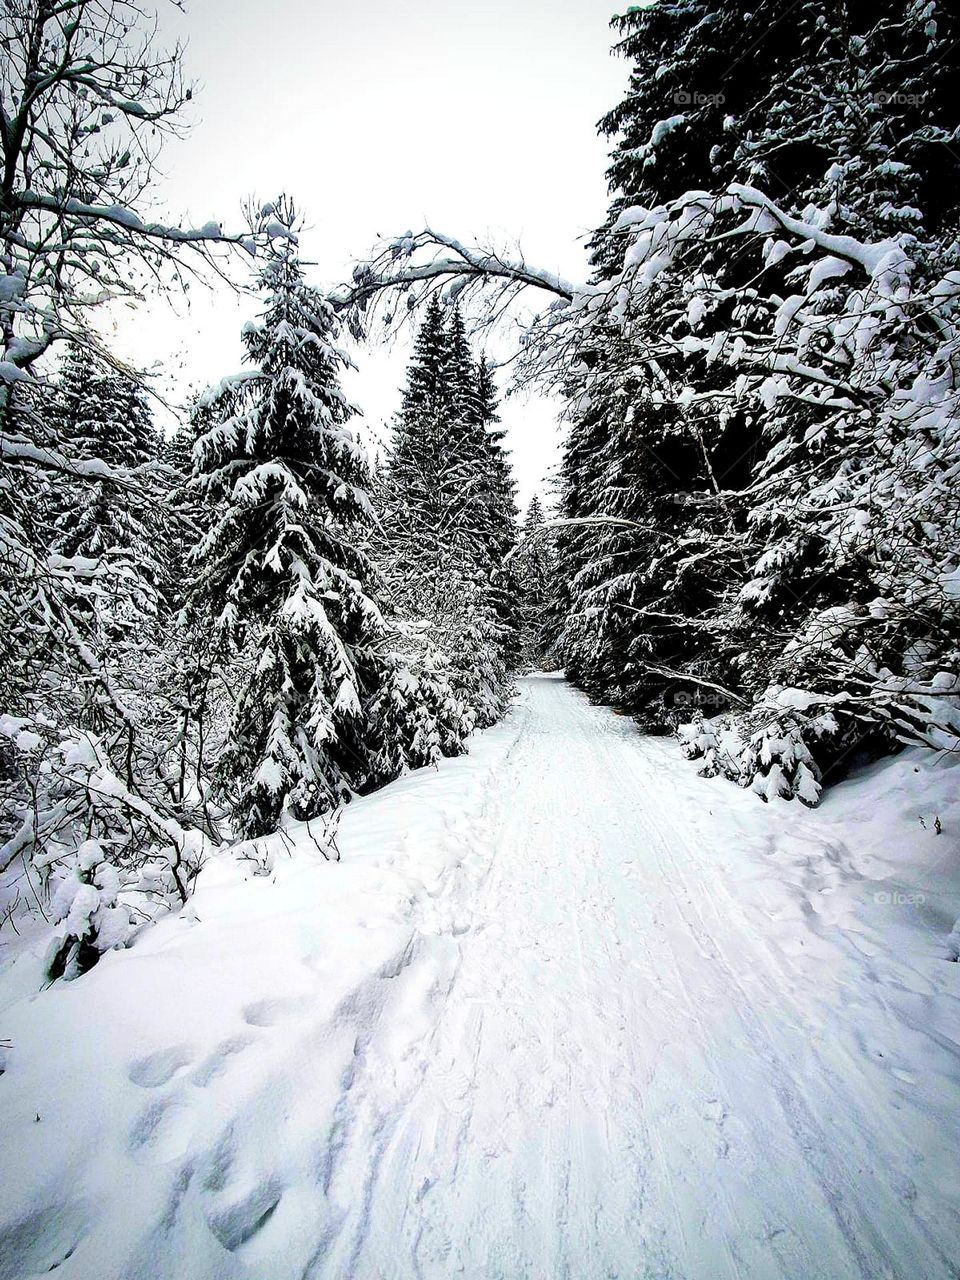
(716, 741)
(773, 760)
(84, 904)
(789, 743)
(771, 749)
(82, 835)
(778, 764)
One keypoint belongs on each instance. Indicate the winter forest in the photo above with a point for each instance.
(402, 879)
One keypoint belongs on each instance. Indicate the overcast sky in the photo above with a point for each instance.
(377, 117)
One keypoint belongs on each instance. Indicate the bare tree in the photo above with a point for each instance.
(87, 101)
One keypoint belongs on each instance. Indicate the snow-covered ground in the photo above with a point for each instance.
(564, 1009)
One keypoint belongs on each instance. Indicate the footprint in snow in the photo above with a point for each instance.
(234, 1226)
(219, 1060)
(267, 1013)
(157, 1068)
(163, 1130)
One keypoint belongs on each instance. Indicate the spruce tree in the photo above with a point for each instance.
(536, 579)
(279, 571)
(502, 523)
(448, 517)
(766, 552)
(104, 418)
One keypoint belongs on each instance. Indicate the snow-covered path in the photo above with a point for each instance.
(620, 1081)
(564, 1010)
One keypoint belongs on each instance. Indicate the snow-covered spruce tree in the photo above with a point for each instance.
(482, 514)
(702, 73)
(418, 715)
(410, 543)
(414, 476)
(645, 603)
(448, 519)
(102, 417)
(502, 516)
(279, 572)
(535, 573)
(643, 596)
(816, 361)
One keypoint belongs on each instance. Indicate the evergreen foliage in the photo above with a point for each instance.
(790, 529)
(536, 576)
(449, 515)
(279, 571)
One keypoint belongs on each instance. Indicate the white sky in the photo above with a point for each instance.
(377, 117)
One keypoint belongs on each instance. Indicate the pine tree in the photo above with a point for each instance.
(104, 418)
(416, 480)
(502, 525)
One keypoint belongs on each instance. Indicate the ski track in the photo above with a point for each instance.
(604, 1093)
(587, 1054)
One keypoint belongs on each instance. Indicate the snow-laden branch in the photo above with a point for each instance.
(126, 220)
(672, 674)
(493, 264)
(572, 522)
(418, 264)
(886, 256)
(19, 449)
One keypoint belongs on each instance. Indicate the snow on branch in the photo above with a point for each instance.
(430, 261)
(88, 101)
(572, 522)
(125, 220)
(885, 256)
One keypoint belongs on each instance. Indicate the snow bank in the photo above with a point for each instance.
(117, 1159)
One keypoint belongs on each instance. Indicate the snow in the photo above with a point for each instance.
(663, 127)
(875, 259)
(12, 285)
(9, 372)
(562, 1009)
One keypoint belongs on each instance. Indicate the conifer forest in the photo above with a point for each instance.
(513, 832)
